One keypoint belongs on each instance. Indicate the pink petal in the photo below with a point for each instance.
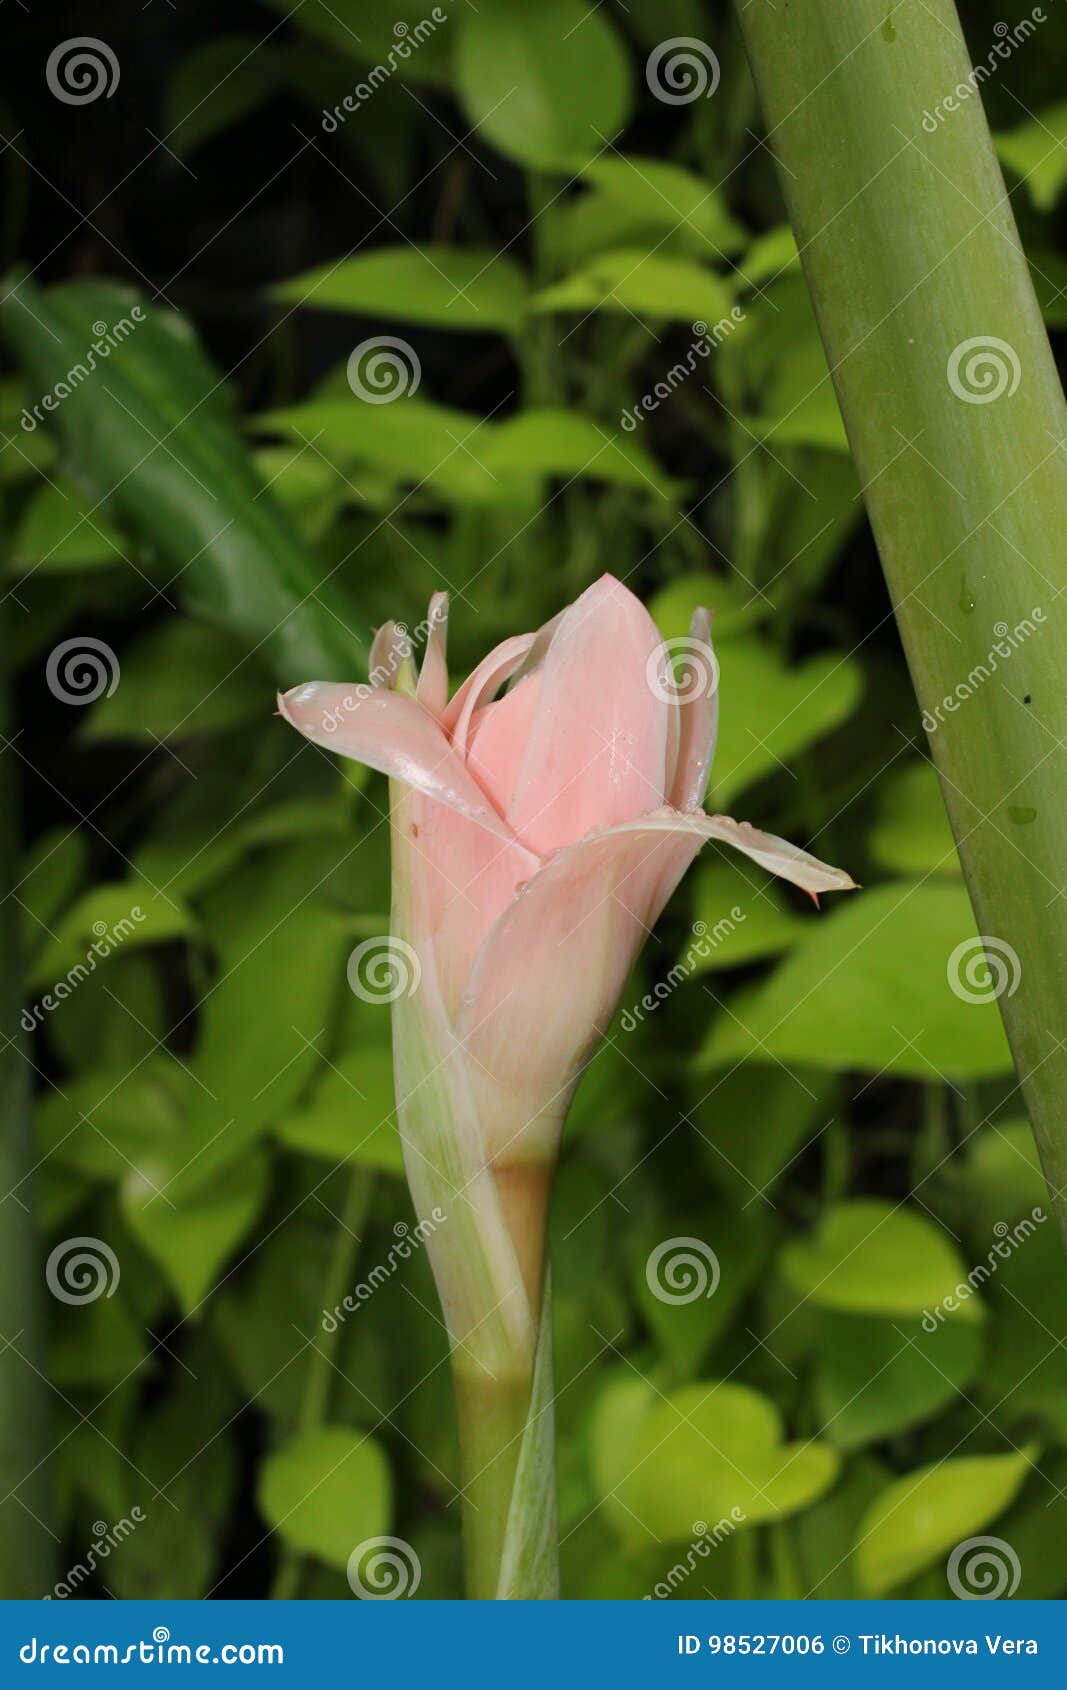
(482, 685)
(432, 688)
(597, 750)
(390, 650)
(466, 878)
(777, 855)
(390, 732)
(497, 740)
(698, 715)
(546, 982)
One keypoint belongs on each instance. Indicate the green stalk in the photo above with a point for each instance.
(316, 1399)
(910, 250)
(26, 1557)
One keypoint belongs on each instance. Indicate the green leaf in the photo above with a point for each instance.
(787, 707)
(876, 1378)
(868, 988)
(546, 87)
(911, 833)
(1037, 152)
(450, 287)
(111, 1121)
(351, 1116)
(463, 457)
(178, 679)
(665, 195)
(60, 530)
(714, 1451)
(1048, 272)
(738, 918)
(646, 285)
(919, 1518)
(796, 404)
(566, 444)
(371, 33)
(151, 433)
(326, 1492)
(52, 870)
(868, 1256)
(119, 915)
(218, 84)
(191, 1241)
(732, 601)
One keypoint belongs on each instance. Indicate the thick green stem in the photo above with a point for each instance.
(914, 264)
(25, 1540)
(491, 1412)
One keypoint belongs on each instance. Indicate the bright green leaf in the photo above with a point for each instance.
(326, 1492)
(919, 1518)
(868, 1256)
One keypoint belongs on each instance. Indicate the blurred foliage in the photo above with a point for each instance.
(546, 241)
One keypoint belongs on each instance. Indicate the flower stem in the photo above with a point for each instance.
(316, 1399)
(492, 1413)
(914, 263)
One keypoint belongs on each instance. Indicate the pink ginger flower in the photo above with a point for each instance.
(537, 835)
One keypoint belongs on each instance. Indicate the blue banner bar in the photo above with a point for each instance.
(525, 1644)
